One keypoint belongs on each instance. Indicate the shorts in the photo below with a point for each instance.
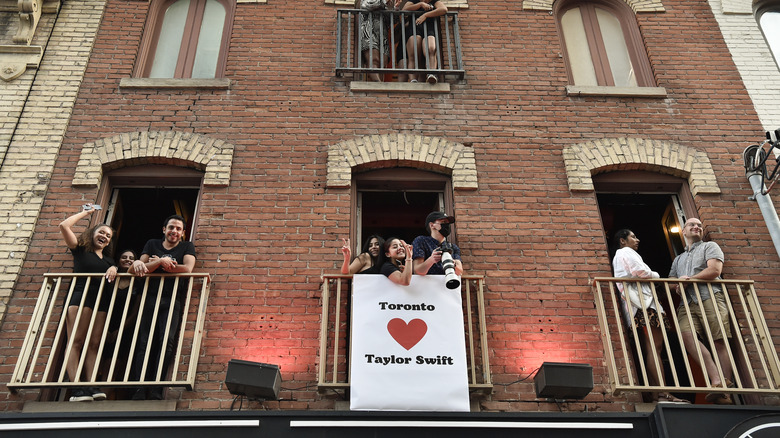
(89, 302)
(711, 317)
(652, 315)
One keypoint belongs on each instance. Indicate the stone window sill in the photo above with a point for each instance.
(399, 87)
(163, 83)
(590, 90)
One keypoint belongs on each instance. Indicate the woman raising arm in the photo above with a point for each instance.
(398, 267)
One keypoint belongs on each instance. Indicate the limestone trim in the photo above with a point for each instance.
(155, 147)
(636, 5)
(586, 159)
(394, 150)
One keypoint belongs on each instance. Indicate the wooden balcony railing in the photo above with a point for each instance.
(751, 350)
(335, 333)
(349, 59)
(47, 347)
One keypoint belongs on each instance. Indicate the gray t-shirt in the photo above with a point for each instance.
(693, 261)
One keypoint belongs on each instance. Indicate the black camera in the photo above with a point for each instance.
(451, 279)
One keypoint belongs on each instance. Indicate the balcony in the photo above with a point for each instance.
(349, 61)
(335, 333)
(751, 350)
(46, 346)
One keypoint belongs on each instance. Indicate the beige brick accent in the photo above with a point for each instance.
(753, 58)
(636, 5)
(391, 150)
(36, 110)
(207, 153)
(598, 156)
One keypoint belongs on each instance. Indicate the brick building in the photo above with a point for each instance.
(274, 158)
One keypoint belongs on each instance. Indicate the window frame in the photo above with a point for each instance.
(637, 51)
(395, 179)
(760, 9)
(187, 50)
(149, 176)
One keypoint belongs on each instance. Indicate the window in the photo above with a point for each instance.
(137, 200)
(769, 21)
(395, 202)
(186, 39)
(603, 46)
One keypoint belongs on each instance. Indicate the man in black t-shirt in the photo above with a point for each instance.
(173, 255)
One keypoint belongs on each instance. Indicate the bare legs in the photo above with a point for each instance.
(428, 51)
(690, 341)
(79, 334)
(373, 58)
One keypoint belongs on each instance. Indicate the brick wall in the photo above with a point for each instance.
(35, 114)
(270, 233)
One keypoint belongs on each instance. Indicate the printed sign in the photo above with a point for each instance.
(408, 348)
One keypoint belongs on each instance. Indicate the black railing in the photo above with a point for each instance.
(349, 47)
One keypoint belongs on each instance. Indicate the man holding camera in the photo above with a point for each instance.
(427, 250)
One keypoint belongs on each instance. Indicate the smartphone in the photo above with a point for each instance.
(88, 207)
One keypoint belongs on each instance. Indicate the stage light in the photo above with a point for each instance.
(256, 381)
(563, 380)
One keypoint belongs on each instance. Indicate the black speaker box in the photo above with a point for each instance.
(564, 380)
(252, 379)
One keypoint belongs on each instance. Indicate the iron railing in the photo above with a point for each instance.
(47, 347)
(751, 350)
(349, 59)
(335, 333)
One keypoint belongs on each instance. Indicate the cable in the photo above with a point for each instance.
(519, 380)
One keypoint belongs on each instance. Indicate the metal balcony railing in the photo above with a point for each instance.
(335, 333)
(751, 350)
(349, 59)
(47, 347)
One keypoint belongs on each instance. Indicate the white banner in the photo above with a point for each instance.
(408, 346)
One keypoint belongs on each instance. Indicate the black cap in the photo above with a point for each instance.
(436, 215)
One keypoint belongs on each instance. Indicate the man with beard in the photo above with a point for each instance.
(703, 261)
(427, 255)
(167, 255)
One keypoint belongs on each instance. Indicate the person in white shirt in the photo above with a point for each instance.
(627, 263)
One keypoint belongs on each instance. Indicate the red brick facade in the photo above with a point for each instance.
(268, 236)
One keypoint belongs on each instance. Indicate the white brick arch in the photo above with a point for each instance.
(393, 150)
(202, 152)
(586, 159)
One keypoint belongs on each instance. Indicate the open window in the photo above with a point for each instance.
(138, 199)
(395, 202)
(654, 206)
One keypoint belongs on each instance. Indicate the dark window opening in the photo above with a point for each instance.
(138, 199)
(395, 202)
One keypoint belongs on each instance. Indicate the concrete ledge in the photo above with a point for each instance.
(101, 406)
(399, 87)
(587, 90)
(217, 83)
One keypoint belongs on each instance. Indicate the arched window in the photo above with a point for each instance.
(603, 45)
(186, 39)
(768, 17)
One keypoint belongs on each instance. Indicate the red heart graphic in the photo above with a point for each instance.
(408, 335)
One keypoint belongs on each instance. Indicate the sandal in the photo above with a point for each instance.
(665, 397)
